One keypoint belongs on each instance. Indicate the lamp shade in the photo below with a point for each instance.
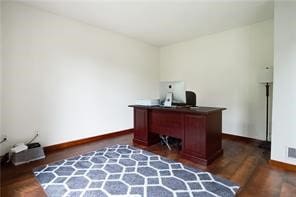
(266, 75)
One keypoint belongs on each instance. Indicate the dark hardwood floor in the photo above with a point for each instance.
(242, 162)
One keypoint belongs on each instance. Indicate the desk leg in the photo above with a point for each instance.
(142, 135)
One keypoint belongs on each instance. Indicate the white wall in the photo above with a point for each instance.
(69, 80)
(284, 103)
(223, 70)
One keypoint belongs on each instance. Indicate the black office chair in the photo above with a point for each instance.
(190, 98)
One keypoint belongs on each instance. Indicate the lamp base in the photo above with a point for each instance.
(265, 145)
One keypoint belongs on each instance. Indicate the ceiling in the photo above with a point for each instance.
(161, 22)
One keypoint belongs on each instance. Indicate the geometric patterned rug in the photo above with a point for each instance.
(123, 170)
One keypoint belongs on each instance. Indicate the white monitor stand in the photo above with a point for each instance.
(168, 99)
(171, 92)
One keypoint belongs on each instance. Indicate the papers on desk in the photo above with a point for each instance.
(148, 102)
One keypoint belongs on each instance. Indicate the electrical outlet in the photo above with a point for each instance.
(292, 152)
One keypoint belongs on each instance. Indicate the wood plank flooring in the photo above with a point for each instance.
(242, 162)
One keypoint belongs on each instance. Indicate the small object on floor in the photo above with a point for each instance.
(175, 143)
(33, 145)
(26, 153)
(165, 140)
(19, 148)
(170, 142)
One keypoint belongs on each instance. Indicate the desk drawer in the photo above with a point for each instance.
(167, 123)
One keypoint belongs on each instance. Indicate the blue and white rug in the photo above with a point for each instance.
(123, 170)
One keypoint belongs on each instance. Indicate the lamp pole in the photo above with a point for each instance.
(266, 79)
(267, 95)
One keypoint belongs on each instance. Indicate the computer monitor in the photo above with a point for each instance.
(172, 92)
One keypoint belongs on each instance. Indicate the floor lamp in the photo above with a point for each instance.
(266, 79)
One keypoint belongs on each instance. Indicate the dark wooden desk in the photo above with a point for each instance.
(199, 129)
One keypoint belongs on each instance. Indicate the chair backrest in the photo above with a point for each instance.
(190, 98)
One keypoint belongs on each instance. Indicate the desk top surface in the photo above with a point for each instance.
(198, 109)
